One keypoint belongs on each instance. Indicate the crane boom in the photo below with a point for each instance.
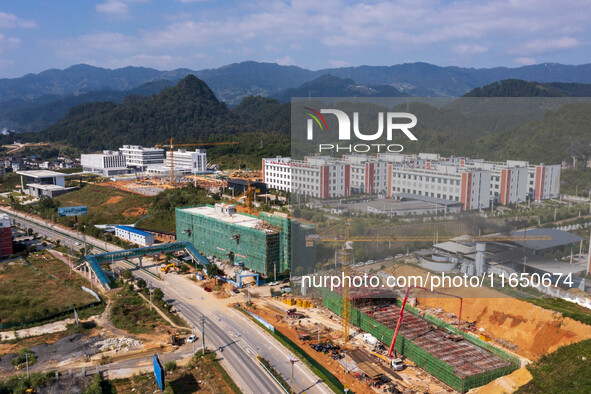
(171, 146)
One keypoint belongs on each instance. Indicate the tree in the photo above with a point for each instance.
(126, 274)
(141, 284)
(158, 295)
(213, 270)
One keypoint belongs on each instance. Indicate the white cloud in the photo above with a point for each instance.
(313, 32)
(338, 63)
(550, 45)
(8, 42)
(10, 21)
(464, 49)
(526, 61)
(285, 61)
(113, 8)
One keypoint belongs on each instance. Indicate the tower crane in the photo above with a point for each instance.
(249, 193)
(172, 146)
(347, 251)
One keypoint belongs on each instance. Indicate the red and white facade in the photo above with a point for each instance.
(5, 236)
(544, 181)
(474, 182)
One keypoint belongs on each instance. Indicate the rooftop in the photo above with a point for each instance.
(433, 200)
(453, 247)
(559, 238)
(237, 219)
(41, 173)
(134, 230)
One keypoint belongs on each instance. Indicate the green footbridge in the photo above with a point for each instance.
(95, 261)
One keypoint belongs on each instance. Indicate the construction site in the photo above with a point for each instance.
(262, 243)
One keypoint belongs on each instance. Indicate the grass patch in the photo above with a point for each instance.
(202, 374)
(176, 319)
(131, 313)
(563, 371)
(568, 309)
(43, 289)
(9, 181)
(105, 204)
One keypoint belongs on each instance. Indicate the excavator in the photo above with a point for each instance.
(168, 267)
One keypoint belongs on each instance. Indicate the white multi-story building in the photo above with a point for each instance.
(475, 183)
(183, 159)
(138, 157)
(469, 186)
(107, 163)
(277, 173)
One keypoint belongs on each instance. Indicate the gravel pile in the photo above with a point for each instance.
(118, 344)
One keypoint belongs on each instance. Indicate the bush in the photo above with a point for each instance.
(21, 357)
(126, 274)
(141, 284)
(170, 366)
(157, 295)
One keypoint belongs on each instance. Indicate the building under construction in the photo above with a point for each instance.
(262, 244)
(458, 359)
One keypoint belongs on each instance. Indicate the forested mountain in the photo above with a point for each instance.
(331, 86)
(40, 113)
(189, 112)
(233, 82)
(520, 88)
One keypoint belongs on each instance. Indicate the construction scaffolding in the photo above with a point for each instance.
(264, 244)
(241, 237)
(462, 365)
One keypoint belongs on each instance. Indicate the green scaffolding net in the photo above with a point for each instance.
(453, 377)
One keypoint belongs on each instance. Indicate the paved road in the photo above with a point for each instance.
(240, 338)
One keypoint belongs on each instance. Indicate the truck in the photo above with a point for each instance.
(395, 363)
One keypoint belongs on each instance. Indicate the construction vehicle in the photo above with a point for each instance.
(294, 314)
(171, 146)
(174, 339)
(168, 267)
(347, 252)
(395, 363)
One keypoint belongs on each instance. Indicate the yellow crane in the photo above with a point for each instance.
(249, 193)
(172, 146)
(347, 251)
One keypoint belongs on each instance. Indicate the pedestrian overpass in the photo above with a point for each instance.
(93, 263)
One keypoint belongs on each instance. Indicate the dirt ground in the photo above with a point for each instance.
(114, 200)
(421, 382)
(505, 384)
(534, 330)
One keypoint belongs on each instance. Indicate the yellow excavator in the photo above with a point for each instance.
(168, 267)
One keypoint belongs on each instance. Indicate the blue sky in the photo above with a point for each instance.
(315, 34)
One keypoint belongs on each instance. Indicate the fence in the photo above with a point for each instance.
(460, 379)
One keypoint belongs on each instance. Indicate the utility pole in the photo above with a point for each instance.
(150, 291)
(274, 271)
(203, 334)
(27, 361)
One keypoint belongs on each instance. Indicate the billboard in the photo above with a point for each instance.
(159, 372)
(72, 211)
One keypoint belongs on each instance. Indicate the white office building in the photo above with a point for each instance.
(108, 163)
(138, 157)
(195, 161)
(277, 173)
